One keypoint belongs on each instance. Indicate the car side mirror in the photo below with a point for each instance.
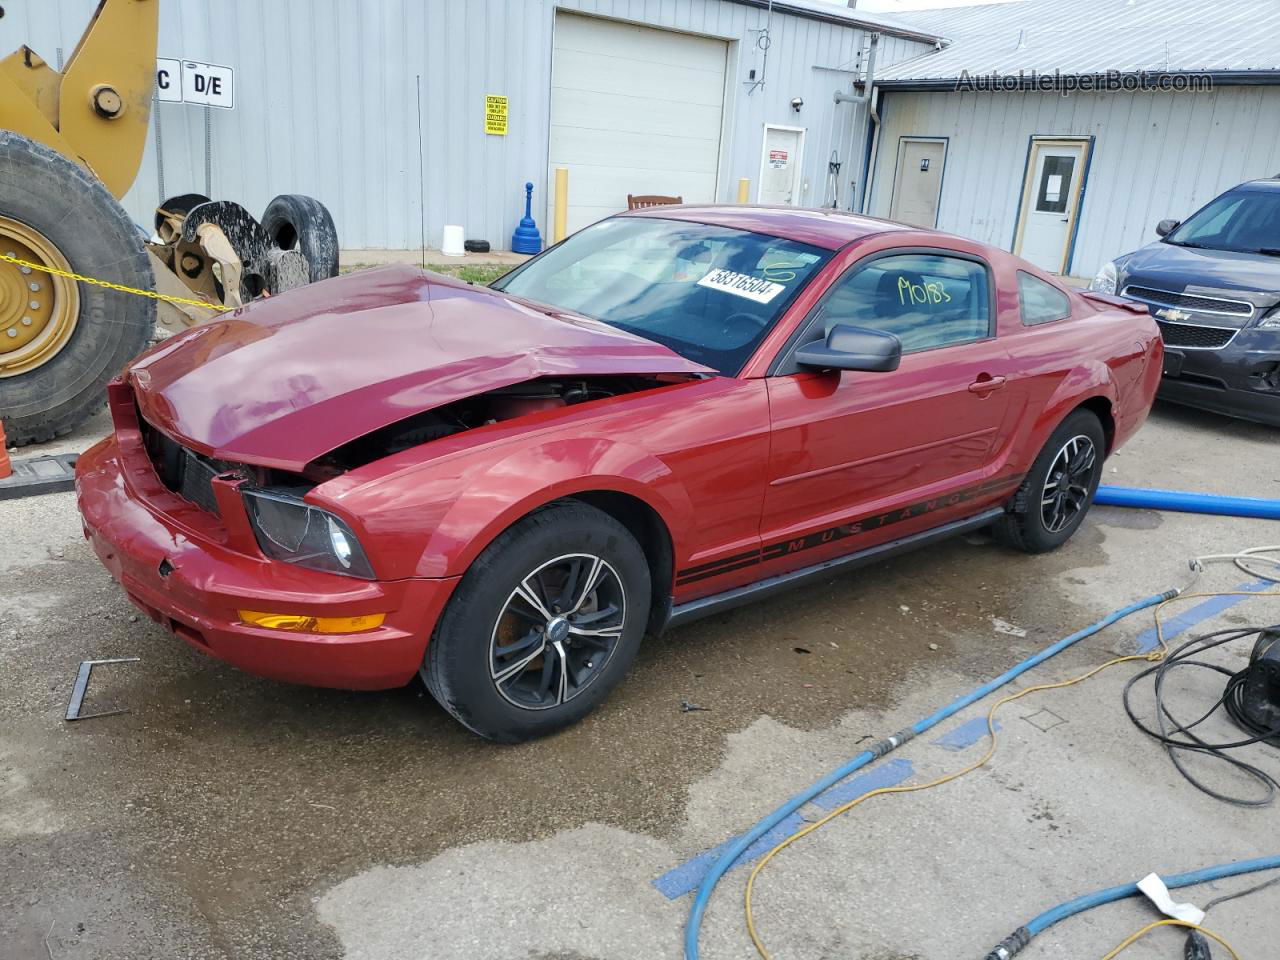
(852, 348)
(1166, 227)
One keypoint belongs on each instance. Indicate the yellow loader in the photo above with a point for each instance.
(71, 143)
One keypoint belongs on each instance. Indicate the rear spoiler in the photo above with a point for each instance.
(1111, 300)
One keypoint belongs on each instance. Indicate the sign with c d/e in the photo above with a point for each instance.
(191, 81)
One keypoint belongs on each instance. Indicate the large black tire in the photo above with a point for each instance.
(297, 222)
(1067, 475)
(45, 191)
(458, 668)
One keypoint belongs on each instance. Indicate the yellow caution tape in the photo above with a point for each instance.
(217, 307)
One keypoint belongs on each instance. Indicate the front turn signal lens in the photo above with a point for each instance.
(298, 622)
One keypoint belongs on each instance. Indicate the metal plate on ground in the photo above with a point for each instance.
(39, 475)
(82, 687)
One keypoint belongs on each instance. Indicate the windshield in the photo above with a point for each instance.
(1242, 220)
(708, 293)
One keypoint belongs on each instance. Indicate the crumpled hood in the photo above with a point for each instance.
(284, 381)
(1248, 276)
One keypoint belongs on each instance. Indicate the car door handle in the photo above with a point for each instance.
(985, 384)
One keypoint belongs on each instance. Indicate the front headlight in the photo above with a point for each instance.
(293, 531)
(1272, 319)
(1106, 281)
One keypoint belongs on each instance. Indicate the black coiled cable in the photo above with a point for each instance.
(1178, 737)
(1233, 697)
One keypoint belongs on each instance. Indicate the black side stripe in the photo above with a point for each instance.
(723, 562)
(792, 545)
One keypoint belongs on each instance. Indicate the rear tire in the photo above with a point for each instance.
(297, 222)
(1058, 490)
(74, 212)
(510, 673)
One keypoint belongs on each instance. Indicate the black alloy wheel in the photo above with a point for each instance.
(1066, 492)
(543, 625)
(557, 631)
(1058, 490)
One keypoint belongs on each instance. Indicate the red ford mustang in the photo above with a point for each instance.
(672, 412)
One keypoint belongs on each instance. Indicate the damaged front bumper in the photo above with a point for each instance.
(180, 565)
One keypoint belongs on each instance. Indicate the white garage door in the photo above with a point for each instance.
(633, 110)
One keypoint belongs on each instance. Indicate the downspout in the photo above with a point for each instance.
(868, 86)
(870, 158)
(869, 136)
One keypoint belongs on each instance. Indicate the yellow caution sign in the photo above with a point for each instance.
(495, 115)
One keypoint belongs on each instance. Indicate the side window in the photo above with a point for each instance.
(1041, 302)
(926, 300)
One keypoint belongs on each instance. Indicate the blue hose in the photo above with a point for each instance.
(694, 924)
(1022, 936)
(1188, 502)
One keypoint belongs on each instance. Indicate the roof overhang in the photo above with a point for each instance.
(1083, 83)
(845, 17)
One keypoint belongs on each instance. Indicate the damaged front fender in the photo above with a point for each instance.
(518, 484)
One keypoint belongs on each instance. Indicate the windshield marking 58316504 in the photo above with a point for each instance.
(742, 285)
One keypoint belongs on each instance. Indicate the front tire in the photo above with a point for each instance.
(543, 626)
(1058, 490)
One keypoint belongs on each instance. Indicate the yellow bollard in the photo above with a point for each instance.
(744, 187)
(562, 204)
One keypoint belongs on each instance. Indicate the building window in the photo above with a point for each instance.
(1055, 184)
(1041, 302)
(927, 301)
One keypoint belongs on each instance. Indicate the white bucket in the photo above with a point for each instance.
(451, 243)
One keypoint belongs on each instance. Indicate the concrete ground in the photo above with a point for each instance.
(229, 817)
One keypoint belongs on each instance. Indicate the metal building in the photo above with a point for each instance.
(1070, 179)
(380, 108)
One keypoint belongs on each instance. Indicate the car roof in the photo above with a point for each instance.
(1269, 183)
(830, 229)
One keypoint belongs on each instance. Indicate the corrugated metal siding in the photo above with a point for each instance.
(1155, 155)
(1088, 36)
(326, 101)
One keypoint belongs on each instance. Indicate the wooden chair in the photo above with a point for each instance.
(635, 203)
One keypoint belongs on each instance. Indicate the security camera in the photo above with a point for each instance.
(796, 104)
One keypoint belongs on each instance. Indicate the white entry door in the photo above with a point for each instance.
(780, 165)
(1050, 202)
(919, 182)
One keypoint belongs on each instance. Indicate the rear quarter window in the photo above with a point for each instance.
(1041, 302)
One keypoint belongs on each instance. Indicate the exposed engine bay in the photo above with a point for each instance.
(493, 406)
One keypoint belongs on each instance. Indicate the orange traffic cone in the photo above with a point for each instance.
(6, 467)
